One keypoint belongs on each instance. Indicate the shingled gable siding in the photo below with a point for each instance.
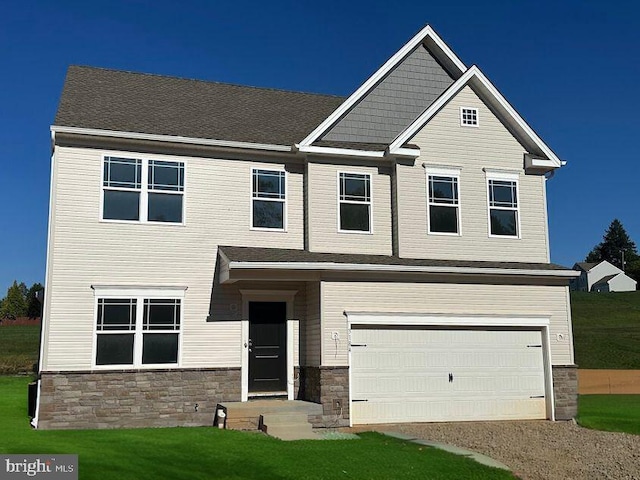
(395, 102)
(324, 211)
(444, 142)
(86, 251)
(442, 299)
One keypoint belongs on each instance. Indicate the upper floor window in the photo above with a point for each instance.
(127, 335)
(142, 190)
(355, 202)
(444, 202)
(268, 199)
(504, 216)
(468, 117)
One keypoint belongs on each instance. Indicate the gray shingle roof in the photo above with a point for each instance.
(254, 254)
(605, 280)
(585, 266)
(135, 102)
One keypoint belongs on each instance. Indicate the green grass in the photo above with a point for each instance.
(613, 413)
(18, 348)
(209, 453)
(606, 329)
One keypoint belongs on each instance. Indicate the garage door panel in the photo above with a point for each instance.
(403, 374)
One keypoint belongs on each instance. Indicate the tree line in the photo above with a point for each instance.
(21, 301)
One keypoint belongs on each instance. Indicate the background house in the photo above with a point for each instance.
(601, 277)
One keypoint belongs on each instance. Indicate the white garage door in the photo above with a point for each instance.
(435, 375)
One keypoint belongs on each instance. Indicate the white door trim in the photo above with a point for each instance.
(266, 296)
(540, 323)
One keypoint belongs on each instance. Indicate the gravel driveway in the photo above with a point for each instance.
(540, 450)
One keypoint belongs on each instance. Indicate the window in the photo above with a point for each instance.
(142, 190)
(355, 202)
(444, 203)
(503, 206)
(131, 336)
(122, 181)
(268, 199)
(468, 117)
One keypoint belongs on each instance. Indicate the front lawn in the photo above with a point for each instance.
(208, 453)
(614, 413)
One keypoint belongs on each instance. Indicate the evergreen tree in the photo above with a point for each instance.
(34, 308)
(14, 304)
(615, 243)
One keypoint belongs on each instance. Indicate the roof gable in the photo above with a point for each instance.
(395, 102)
(490, 95)
(426, 37)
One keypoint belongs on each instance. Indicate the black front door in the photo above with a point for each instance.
(267, 347)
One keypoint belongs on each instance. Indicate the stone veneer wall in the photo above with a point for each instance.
(135, 398)
(565, 391)
(324, 385)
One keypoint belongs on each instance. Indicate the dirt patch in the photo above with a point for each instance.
(539, 450)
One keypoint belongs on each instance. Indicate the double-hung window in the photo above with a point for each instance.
(142, 190)
(354, 202)
(504, 215)
(268, 199)
(137, 330)
(443, 194)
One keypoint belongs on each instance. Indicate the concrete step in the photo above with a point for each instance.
(292, 432)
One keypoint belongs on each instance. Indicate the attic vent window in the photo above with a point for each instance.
(468, 117)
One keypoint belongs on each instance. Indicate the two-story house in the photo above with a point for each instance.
(385, 255)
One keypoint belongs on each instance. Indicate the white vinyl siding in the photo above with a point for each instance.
(444, 299)
(86, 251)
(443, 142)
(311, 326)
(323, 192)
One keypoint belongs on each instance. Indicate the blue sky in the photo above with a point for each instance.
(570, 68)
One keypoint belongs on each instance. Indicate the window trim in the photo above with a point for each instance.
(504, 176)
(473, 125)
(443, 172)
(339, 202)
(139, 294)
(285, 201)
(144, 190)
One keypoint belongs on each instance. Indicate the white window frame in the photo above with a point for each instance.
(284, 201)
(475, 111)
(140, 294)
(444, 172)
(504, 176)
(355, 202)
(144, 190)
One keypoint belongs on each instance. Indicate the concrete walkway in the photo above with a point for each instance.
(478, 457)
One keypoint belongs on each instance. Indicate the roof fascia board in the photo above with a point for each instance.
(400, 268)
(347, 152)
(372, 81)
(169, 138)
(474, 74)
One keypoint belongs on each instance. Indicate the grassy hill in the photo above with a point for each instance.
(606, 329)
(18, 348)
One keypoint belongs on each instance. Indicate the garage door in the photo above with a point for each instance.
(435, 375)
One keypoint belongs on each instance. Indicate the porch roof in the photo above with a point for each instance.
(244, 259)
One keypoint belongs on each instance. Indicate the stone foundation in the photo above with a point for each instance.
(565, 391)
(134, 398)
(324, 385)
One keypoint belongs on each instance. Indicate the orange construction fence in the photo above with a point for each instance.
(608, 381)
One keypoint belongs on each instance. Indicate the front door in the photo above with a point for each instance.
(267, 347)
